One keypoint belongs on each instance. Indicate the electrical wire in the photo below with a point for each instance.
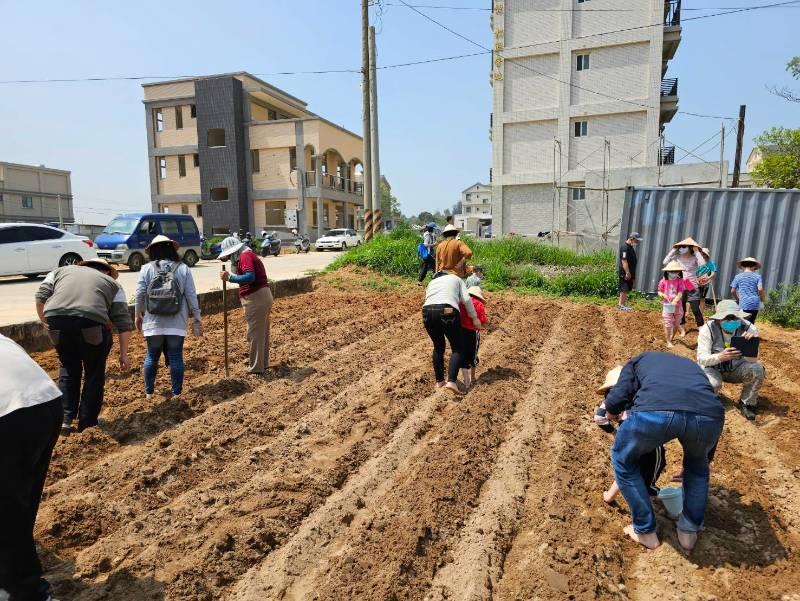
(570, 10)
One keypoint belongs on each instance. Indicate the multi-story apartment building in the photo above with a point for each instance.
(476, 209)
(35, 194)
(580, 87)
(238, 153)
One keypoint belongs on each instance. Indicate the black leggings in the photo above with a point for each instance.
(428, 264)
(695, 306)
(443, 324)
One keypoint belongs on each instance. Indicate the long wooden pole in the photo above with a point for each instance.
(225, 321)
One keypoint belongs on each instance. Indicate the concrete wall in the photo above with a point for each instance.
(42, 185)
(175, 184)
(168, 91)
(171, 136)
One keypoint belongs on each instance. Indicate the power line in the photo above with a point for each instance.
(558, 10)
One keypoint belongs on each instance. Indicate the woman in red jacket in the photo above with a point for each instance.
(472, 336)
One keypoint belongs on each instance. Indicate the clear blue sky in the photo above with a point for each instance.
(434, 118)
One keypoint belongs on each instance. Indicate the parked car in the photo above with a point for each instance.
(125, 238)
(32, 249)
(339, 239)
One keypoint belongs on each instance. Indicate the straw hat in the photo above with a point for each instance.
(750, 260)
(611, 379)
(687, 242)
(161, 239)
(449, 228)
(98, 261)
(673, 266)
(230, 245)
(728, 307)
(476, 292)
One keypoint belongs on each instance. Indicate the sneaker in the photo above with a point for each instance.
(748, 411)
(149, 396)
(66, 429)
(624, 308)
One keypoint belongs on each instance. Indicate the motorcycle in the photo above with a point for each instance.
(301, 242)
(270, 244)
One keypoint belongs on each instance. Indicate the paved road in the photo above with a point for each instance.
(16, 294)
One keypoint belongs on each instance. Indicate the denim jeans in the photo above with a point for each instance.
(173, 348)
(642, 432)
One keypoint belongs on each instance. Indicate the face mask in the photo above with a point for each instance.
(683, 250)
(731, 326)
(673, 276)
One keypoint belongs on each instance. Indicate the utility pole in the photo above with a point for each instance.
(60, 216)
(377, 212)
(721, 153)
(737, 161)
(367, 158)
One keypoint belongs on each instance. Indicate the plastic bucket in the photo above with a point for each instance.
(669, 308)
(672, 498)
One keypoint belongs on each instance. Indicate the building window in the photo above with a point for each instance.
(583, 62)
(216, 138)
(581, 129)
(182, 166)
(579, 192)
(275, 213)
(159, 119)
(582, 1)
(292, 159)
(199, 210)
(27, 202)
(193, 111)
(219, 194)
(314, 215)
(196, 159)
(179, 117)
(271, 115)
(254, 158)
(185, 209)
(161, 164)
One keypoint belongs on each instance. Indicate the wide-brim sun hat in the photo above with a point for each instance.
(749, 260)
(727, 308)
(477, 292)
(161, 239)
(230, 245)
(687, 242)
(611, 379)
(673, 266)
(706, 252)
(450, 228)
(98, 261)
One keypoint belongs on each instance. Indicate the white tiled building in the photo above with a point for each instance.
(476, 209)
(575, 89)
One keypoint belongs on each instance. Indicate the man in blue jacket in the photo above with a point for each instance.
(667, 397)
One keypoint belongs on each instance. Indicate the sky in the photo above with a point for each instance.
(434, 118)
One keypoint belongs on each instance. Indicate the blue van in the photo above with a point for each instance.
(125, 238)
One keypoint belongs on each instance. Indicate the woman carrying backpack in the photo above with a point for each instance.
(165, 298)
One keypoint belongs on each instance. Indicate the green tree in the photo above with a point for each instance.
(390, 206)
(780, 163)
(793, 67)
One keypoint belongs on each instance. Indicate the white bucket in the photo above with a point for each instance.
(669, 308)
(672, 498)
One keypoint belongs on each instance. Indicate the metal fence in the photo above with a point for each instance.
(732, 222)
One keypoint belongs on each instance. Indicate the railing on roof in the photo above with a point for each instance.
(672, 13)
(666, 155)
(669, 87)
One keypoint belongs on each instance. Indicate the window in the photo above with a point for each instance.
(27, 202)
(219, 194)
(169, 227)
(254, 159)
(165, 208)
(159, 119)
(582, 1)
(196, 160)
(9, 235)
(583, 62)
(193, 111)
(178, 117)
(314, 215)
(184, 209)
(148, 227)
(216, 138)
(161, 165)
(182, 166)
(581, 129)
(275, 213)
(579, 192)
(292, 159)
(271, 115)
(32, 233)
(189, 227)
(199, 210)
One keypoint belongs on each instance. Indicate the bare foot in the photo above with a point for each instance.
(682, 333)
(687, 540)
(649, 540)
(608, 497)
(454, 388)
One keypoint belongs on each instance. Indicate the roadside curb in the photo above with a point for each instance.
(31, 335)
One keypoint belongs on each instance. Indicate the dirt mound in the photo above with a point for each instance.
(344, 474)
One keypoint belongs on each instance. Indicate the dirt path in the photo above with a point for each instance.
(344, 474)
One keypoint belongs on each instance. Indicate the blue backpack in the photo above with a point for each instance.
(424, 252)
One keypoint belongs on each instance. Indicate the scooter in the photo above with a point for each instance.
(270, 244)
(301, 242)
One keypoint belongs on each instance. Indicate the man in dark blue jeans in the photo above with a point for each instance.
(671, 398)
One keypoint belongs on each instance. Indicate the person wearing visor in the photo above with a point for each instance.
(722, 362)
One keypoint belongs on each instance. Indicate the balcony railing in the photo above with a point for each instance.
(334, 182)
(672, 13)
(669, 87)
(666, 155)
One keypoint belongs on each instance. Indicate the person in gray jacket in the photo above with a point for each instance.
(79, 304)
(166, 332)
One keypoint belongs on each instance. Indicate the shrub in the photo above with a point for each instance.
(530, 277)
(783, 306)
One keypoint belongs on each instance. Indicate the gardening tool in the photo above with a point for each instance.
(225, 321)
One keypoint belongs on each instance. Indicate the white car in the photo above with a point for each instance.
(31, 249)
(340, 239)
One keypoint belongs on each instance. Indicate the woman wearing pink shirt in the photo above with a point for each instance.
(671, 289)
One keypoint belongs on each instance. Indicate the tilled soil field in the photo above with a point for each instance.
(344, 474)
